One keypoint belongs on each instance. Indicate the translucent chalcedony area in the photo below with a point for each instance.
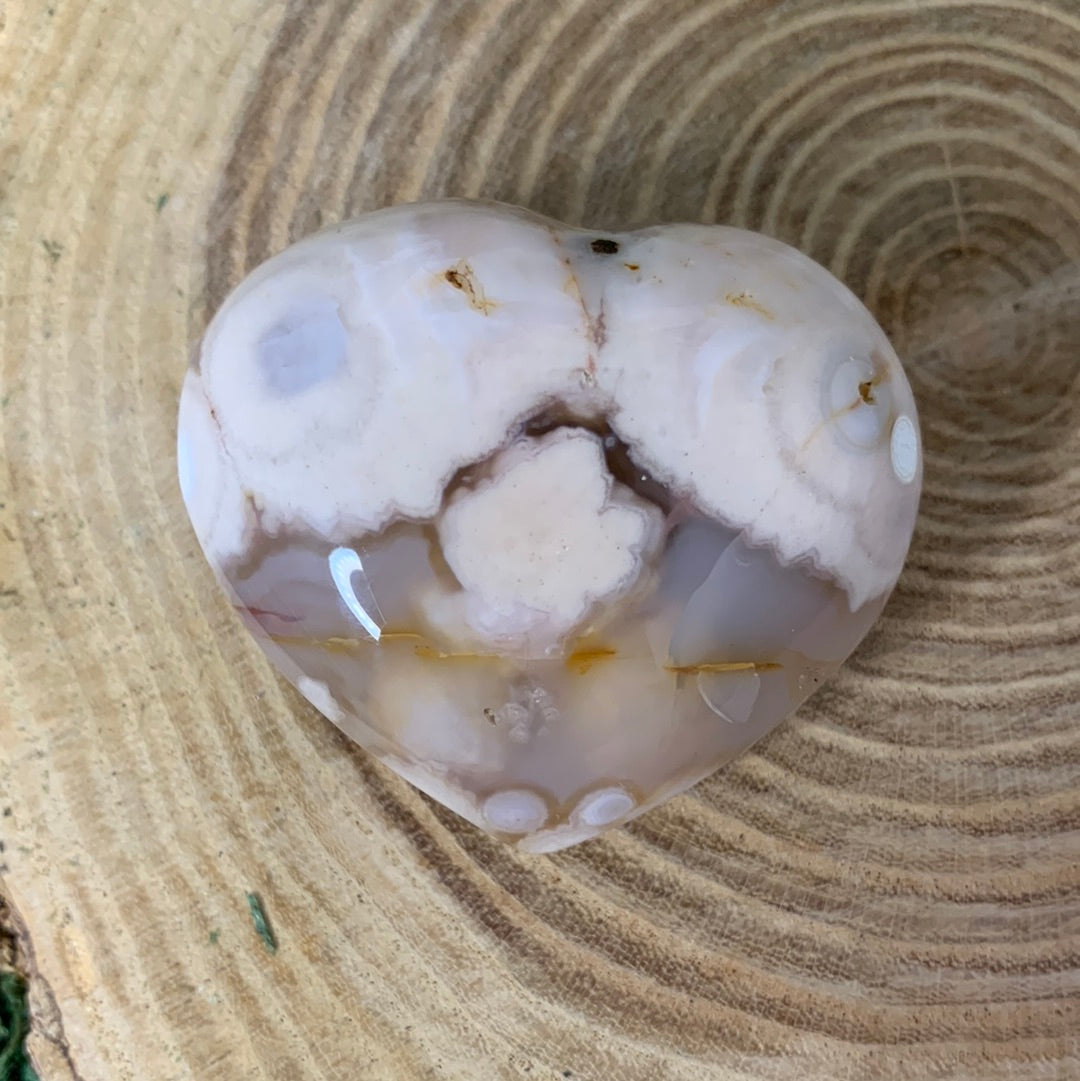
(554, 524)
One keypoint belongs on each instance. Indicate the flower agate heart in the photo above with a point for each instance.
(552, 522)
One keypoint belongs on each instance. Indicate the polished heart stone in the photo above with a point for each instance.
(554, 522)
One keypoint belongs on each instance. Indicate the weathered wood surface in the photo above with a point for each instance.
(888, 887)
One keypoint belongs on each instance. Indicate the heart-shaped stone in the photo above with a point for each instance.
(553, 522)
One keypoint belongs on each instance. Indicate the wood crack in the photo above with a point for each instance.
(44, 1019)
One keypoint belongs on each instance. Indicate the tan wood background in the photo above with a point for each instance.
(888, 887)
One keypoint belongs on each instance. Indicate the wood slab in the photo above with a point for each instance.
(886, 888)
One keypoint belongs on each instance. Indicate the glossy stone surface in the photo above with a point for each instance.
(553, 522)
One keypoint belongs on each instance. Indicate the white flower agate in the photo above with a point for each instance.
(553, 522)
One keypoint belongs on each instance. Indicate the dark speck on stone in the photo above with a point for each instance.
(603, 246)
